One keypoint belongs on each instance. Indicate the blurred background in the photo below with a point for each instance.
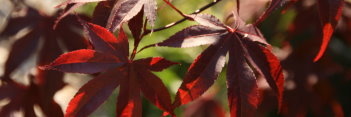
(320, 89)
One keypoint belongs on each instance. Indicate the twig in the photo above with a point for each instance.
(182, 20)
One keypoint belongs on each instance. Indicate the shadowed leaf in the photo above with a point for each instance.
(93, 94)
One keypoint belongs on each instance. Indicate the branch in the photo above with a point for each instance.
(182, 20)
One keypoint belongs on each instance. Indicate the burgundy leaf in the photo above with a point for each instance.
(73, 40)
(129, 100)
(53, 109)
(122, 44)
(17, 92)
(123, 12)
(241, 82)
(47, 88)
(69, 8)
(156, 92)
(102, 12)
(252, 33)
(274, 4)
(201, 74)
(193, 36)
(104, 41)
(155, 64)
(13, 105)
(84, 61)
(330, 12)
(44, 84)
(21, 50)
(135, 26)
(247, 30)
(269, 66)
(10, 89)
(16, 24)
(94, 93)
(91, 61)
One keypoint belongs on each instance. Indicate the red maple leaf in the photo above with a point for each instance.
(249, 58)
(110, 56)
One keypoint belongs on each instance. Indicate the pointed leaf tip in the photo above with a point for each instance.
(330, 12)
(327, 33)
(156, 63)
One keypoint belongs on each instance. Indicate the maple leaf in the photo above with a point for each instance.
(130, 8)
(249, 58)
(110, 56)
(40, 30)
(71, 5)
(25, 97)
(101, 12)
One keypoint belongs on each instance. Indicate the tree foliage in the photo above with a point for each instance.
(74, 43)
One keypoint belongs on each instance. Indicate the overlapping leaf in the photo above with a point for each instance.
(111, 58)
(121, 12)
(329, 12)
(301, 99)
(243, 62)
(130, 8)
(44, 84)
(274, 4)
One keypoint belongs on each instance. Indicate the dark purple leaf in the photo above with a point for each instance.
(123, 12)
(94, 93)
(129, 100)
(201, 74)
(241, 82)
(135, 26)
(156, 92)
(21, 50)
